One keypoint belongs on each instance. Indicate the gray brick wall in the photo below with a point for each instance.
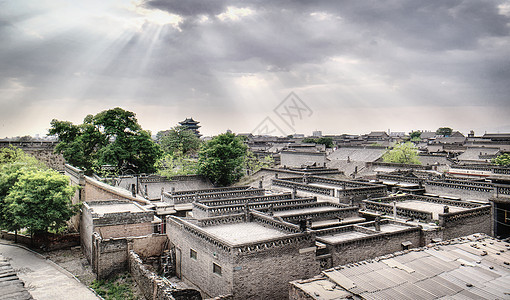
(369, 248)
(267, 275)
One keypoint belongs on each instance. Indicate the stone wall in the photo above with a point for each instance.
(375, 243)
(429, 235)
(266, 275)
(154, 287)
(43, 151)
(110, 256)
(462, 224)
(465, 194)
(371, 247)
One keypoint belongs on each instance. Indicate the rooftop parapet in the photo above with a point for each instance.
(280, 233)
(189, 198)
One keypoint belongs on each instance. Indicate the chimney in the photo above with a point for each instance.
(377, 224)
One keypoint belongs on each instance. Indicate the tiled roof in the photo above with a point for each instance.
(427, 135)
(357, 154)
(476, 266)
(473, 154)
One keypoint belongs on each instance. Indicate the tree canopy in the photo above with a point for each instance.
(502, 160)
(40, 200)
(327, 141)
(222, 159)
(405, 153)
(445, 131)
(31, 195)
(172, 165)
(112, 137)
(179, 140)
(254, 164)
(415, 136)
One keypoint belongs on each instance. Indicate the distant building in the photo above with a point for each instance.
(376, 136)
(191, 125)
(317, 133)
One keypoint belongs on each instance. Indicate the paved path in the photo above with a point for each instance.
(43, 278)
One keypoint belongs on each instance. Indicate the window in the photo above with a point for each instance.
(192, 253)
(216, 269)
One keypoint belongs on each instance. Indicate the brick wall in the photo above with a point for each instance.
(463, 194)
(427, 235)
(43, 151)
(110, 256)
(266, 275)
(150, 245)
(363, 249)
(152, 286)
(466, 226)
(125, 230)
(113, 225)
(199, 271)
(259, 273)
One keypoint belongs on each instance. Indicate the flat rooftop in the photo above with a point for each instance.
(336, 222)
(241, 233)
(114, 208)
(304, 211)
(434, 208)
(343, 236)
(325, 185)
(389, 227)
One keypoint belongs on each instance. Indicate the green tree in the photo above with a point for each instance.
(502, 160)
(13, 163)
(405, 153)
(309, 140)
(415, 136)
(172, 165)
(327, 141)
(222, 159)
(112, 137)
(179, 140)
(254, 164)
(40, 200)
(444, 131)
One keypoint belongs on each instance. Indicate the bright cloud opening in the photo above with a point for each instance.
(235, 14)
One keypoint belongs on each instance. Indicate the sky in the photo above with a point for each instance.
(278, 67)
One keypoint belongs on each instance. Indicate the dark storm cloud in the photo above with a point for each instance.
(432, 52)
(451, 39)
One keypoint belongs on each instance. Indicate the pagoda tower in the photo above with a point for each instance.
(191, 125)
